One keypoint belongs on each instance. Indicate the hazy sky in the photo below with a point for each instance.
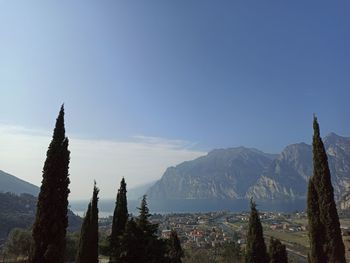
(148, 84)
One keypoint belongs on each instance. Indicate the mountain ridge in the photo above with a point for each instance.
(242, 173)
(13, 184)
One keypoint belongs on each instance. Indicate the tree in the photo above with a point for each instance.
(120, 218)
(139, 242)
(277, 251)
(231, 252)
(320, 193)
(72, 244)
(316, 229)
(256, 248)
(153, 248)
(175, 252)
(49, 230)
(19, 243)
(131, 245)
(148, 228)
(88, 242)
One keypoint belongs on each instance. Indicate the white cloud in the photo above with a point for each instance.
(140, 160)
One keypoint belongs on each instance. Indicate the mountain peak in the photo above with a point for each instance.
(333, 138)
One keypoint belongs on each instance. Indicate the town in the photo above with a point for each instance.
(212, 231)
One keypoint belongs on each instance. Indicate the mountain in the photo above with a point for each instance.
(136, 193)
(12, 184)
(241, 173)
(288, 175)
(19, 211)
(221, 174)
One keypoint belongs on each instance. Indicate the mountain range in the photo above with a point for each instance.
(241, 173)
(227, 178)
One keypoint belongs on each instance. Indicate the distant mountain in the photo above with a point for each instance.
(241, 173)
(19, 211)
(136, 193)
(221, 174)
(12, 184)
(288, 175)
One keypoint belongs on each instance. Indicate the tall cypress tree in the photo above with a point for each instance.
(88, 243)
(132, 249)
(316, 228)
(49, 230)
(333, 247)
(256, 248)
(175, 252)
(120, 218)
(277, 251)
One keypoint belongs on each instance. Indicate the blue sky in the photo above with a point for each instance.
(210, 74)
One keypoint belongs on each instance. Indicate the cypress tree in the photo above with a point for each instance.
(131, 247)
(316, 229)
(88, 242)
(277, 251)
(175, 252)
(49, 229)
(256, 248)
(120, 218)
(333, 246)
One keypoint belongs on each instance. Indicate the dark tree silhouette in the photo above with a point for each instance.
(88, 242)
(256, 248)
(49, 230)
(324, 232)
(120, 218)
(277, 251)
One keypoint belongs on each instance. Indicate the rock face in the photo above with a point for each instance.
(221, 174)
(287, 175)
(240, 173)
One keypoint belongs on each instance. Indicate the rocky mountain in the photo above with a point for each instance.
(221, 174)
(12, 184)
(241, 173)
(286, 176)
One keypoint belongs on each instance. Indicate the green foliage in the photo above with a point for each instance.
(321, 205)
(16, 211)
(120, 218)
(143, 222)
(277, 251)
(72, 242)
(232, 253)
(174, 250)
(139, 242)
(88, 243)
(19, 243)
(104, 244)
(256, 248)
(198, 256)
(132, 246)
(49, 230)
(316, 228)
